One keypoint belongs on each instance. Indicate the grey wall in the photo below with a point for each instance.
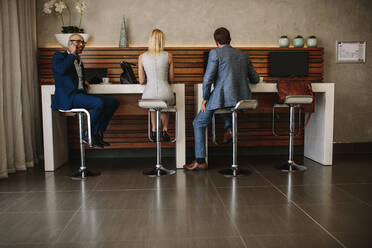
(251, 23)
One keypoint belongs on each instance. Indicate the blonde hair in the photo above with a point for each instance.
(156, 42)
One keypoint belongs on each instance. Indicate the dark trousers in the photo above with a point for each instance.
(100, 107)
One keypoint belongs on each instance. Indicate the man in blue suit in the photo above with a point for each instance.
(230, 71)
(71, 90)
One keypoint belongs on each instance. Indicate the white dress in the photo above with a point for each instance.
(156, 69)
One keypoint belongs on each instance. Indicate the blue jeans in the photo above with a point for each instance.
(100, 107)
(200, 123)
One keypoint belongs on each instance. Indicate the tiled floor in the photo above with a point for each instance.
(322, 207)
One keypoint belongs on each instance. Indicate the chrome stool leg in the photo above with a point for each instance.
(291, 165)
(235, 170)
(83, 173)
(159, 169)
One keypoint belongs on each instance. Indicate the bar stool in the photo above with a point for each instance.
(291, 101)
(158, 106)
(240, 106)
(83, 172)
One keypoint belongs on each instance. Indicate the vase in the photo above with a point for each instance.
(63, 38)
(123, 42)
(312, 42)
(283, 41)
(298, 42)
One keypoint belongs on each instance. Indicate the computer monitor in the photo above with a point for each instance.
(288, 63)
(95, 75)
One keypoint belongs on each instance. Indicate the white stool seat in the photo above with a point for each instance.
(246, 104)
(298, 99)
(241, 105)
(152, 104)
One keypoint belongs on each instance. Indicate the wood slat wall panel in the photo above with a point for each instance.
(128, 128)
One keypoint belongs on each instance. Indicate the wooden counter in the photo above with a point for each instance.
(127, 129)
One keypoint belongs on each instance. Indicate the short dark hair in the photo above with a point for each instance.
(222, 36)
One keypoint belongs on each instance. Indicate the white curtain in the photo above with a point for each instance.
(19, 91)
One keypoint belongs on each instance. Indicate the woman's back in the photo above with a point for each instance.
(156, 68)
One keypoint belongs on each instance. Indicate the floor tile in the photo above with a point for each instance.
(27, 245)
(123, 244)
(49, 201)
(361, 191)
(153, 199)
(293, 241)
(272, 220)
(236, 198)
(309, 177)
(322, 194)
(220, 242)
(140, 181)
(133, 225)
(252, 180)
(7, 200)
(357, 240)
(65, 183)
(107, 226)
(22, 181)
(345, 217)
(32, 227)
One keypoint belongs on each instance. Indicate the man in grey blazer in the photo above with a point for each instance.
(230, 71)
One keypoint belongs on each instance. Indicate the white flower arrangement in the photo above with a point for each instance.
(59, 6)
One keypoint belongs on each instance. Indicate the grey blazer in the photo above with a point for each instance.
(229, 70)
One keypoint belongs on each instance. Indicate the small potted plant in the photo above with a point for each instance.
(298, 41)
(312, 41)
(60, 7)
(283, 41)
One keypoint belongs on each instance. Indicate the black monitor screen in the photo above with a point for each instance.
(95, 75)
(285, 64)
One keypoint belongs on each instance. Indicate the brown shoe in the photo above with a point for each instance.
(227, 137)
(195, 166)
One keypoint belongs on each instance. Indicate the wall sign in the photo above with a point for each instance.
(351, 52)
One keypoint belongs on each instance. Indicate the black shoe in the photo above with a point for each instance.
(165, 136)
(153, 136)
(100, 138)
(95, 142)
(85, 138)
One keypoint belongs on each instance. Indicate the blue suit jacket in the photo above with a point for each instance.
(230, 71)
(66, 80)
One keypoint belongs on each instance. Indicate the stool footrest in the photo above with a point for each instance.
(159, 172)
(234, 172)
(288, 167)
(83, 174)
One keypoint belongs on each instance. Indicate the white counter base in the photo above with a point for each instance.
(55, 129)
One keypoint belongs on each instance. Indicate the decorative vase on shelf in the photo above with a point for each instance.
(298, 41)
(63, 38)
(283, 41)
(312, 41)
(123, 42)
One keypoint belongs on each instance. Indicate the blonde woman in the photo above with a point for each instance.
(155, 69)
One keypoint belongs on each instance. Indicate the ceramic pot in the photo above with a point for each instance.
(283, 41)
(312, 41)
(298, 42)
